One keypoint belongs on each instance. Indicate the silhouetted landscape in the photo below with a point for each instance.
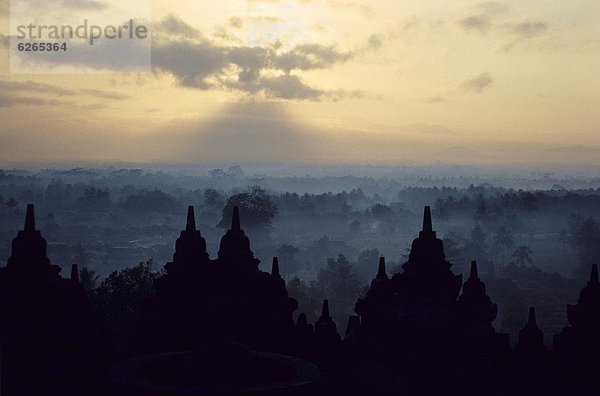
(317, 277)
(299, 197)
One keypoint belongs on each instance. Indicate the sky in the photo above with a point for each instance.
(320, 81)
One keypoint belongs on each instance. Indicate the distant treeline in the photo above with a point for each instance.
(534, 246)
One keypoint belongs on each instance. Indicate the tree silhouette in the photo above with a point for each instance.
(439, 210)
(151, 201)
(88, 279)
(121, 294)
(287, 255)
(216, 173)
(11, 203)
(585, 238)
(382, 212)
(478, 236)
(528, 201)
(94, 199)
(503, 240)
(482, 209)
(257, 208)
(308, 296)
(523, 255)
(213, 198)
(364, 263)
(339, 283)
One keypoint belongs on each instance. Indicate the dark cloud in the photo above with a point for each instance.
(289, 87)
(106, 55)
(527, 29)
(204, 65)
(198, 62)
(309, 57)
(478, 84)
(33, 87)
(104, 94)
(172, 25)
(476, 22)
(482, 15)
(18, 92)
(375, 41)
(488, 16)
(522, 31)
(9, 100)
(267, 70)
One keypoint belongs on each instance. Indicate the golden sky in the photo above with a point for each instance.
(379, 81)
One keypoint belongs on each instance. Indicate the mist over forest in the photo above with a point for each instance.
(534, 232)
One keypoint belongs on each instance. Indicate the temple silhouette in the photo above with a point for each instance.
(580, 338)
(47, 328)
(199, 299)
(224, 326)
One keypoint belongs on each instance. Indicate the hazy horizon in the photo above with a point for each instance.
(529, 177)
